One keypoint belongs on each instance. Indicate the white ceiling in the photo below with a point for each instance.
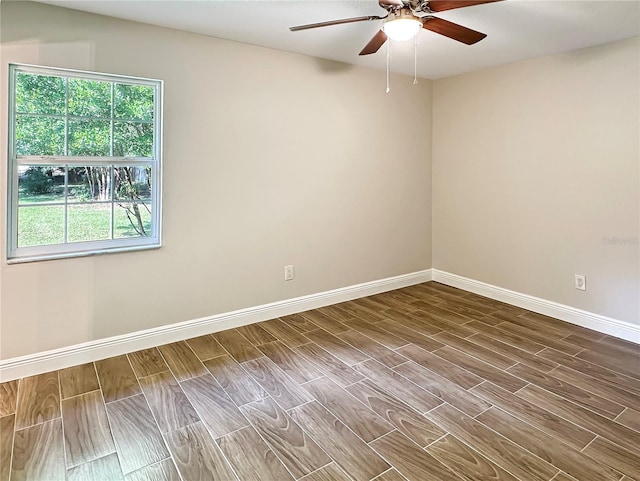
(516, 29)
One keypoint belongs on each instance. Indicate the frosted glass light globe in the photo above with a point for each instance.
(401, 28)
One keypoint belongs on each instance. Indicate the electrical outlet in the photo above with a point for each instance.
(288, 273)
(581, 282)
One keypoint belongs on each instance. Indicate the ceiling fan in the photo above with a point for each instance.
(405, 18)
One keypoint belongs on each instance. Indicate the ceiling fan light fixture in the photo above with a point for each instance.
(401, 26)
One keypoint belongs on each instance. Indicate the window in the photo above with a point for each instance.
(84, 163)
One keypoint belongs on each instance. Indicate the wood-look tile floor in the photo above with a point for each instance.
(426, 383)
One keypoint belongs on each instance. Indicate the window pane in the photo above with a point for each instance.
(38, 184)
(133, 102)
(88, 222)
(133, 139)
(89, 184)
(39, 94)
(40, 225)
(89, 137)
(61, 205)
(131, 219)
(89, 98)
(39, 135)
(132, 183)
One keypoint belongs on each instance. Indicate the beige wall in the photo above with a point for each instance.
(270, 158)
(534, 164)
(274, 158)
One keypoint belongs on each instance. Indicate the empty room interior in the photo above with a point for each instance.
(320, 240)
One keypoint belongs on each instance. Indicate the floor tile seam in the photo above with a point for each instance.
(324, 376)
(330, 411)
(388, 391)
(155, 420)
(64, 437)
(510, 357)
(624, 406)
(388, 461)
(299, 355)
(555, 476)
(227, 392)
(432, 394)
(473, 448)
(557, 331)
(625, 409)
(255, 379)
(439, 438)
(393, 350)
(538, 334)
(217, 446)
(237, 406)
(564, 398)
(318, 442)
(186, 341)
(35, 424)
(155, 464)
(331, 460)
(169, 366)
(395, 398)
(19, 391)
(568, 399)
(589, 443)
(515, 414)
(264, 440)
(557, 440)
(515, 362)
(15, 407)
(523, 336)
(79, 395)
(13, 438)
(62, 398)
(138, 378)
(457, 365)
(304, 431)
(374, 340)
(316, 363)
(348, 427)
(247, 373)
(612, 467)
(613, 371)
(578, 334)
(342, 340)
(302, 478)
(392, 468)
(506, 340)
(94, 458)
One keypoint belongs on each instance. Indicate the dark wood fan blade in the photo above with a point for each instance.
(453, 30)
(442, 5)
(375, 43)
(336, 22)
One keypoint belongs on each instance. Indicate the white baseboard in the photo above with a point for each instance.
(607, 325)
(41, 362)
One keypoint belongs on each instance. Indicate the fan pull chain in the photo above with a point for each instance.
(388, 60)
(415, 60)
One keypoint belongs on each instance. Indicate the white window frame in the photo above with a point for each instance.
(75, 249)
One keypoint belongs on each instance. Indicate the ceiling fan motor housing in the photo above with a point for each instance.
(401, 13)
